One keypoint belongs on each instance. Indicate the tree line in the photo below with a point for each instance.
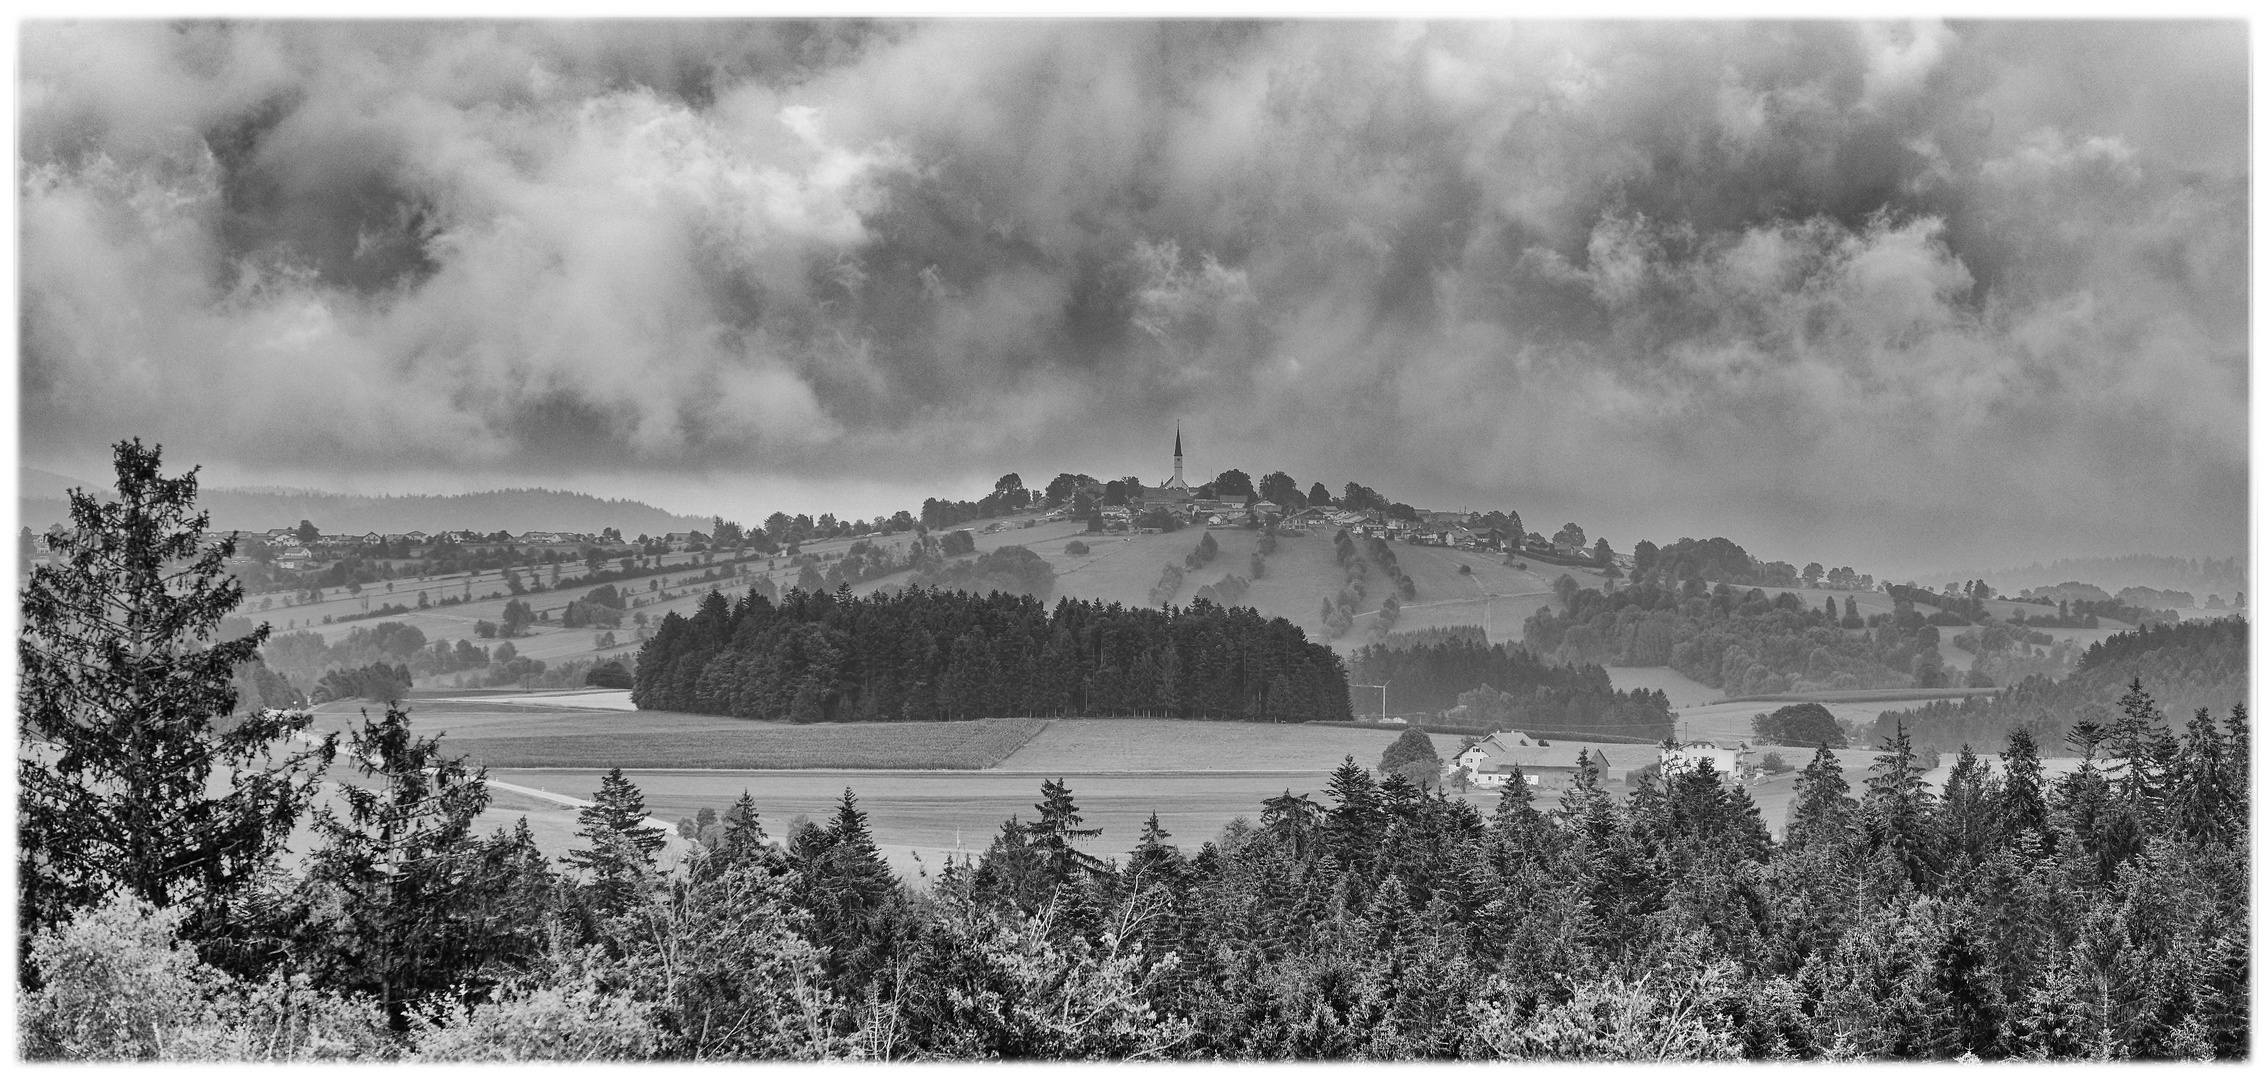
(1740, 641)
(2191, 665)
(1523, 690)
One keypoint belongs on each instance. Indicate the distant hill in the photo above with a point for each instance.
(2112, 573)
(42, 503)
(2184, 667)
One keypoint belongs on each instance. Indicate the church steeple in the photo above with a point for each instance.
(1177, 481)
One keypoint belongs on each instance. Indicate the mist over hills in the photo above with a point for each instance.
(41, 503)
(2114, 572)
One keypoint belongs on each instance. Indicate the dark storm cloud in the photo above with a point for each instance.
(1829, 277)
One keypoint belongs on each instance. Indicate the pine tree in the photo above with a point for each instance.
(1351, 828)
(1897, 810)
(401, 868)
(1964, 812)
(848, 889)
(2019, 807)
(2202, 802)
(1823, 812)
(741, 840)
(621, 855)
(126, 778)
(1052, 835)
(2139, 739)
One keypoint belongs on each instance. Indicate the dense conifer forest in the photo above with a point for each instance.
(2099, 913)
(925, 654)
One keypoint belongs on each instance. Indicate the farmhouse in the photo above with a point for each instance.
(1490, 761)
(1685, 756)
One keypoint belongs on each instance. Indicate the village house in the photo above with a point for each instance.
(1490, 761)
(1726, 761)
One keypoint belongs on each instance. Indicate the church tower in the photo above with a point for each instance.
(1177, 481)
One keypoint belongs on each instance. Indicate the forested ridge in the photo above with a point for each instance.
(2188, 666)
(929, 654)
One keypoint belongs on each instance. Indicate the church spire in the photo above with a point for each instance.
(1177, 481)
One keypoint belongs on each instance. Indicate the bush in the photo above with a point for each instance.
(1804, 724)
(611, 675)
(1773, 763)
(1077, 547)
(121, 986)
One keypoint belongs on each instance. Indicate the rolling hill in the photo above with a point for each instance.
(41, 502)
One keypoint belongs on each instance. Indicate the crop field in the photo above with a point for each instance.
(970, 744)
(1198, 746)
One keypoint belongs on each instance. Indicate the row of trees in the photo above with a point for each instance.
(928, 654)
(1741, 641)
(2191, 665)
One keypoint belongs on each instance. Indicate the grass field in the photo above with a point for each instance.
(934, 814)
(1197, 746)
(497, 720)
(972, 744)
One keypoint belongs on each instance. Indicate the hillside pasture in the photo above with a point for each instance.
(1304, 571)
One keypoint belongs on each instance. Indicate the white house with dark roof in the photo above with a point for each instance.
(1726, 760)
(1490, 761)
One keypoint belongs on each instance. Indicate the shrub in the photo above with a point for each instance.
(611, 675)
(1076, 547)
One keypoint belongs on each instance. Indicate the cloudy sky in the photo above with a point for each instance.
(1887, 295)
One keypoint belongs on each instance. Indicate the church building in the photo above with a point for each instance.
(1174, 492)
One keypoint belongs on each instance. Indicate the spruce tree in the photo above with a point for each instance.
(1351, 828)
(847, 887)
(2019, 806)
(401, 869)
(741, 840)
(1052, 835)
(622, 846)
(1897, 810)
(126, 776)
